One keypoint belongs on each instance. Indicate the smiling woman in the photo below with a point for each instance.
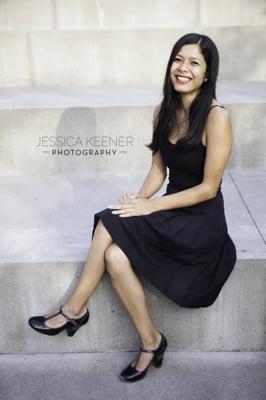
(179, 241)
(195, 67)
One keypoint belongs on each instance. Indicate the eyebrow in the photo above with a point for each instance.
(192, 58)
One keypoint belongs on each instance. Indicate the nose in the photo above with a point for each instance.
(183, 66)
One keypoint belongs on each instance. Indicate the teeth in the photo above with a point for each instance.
(183, 79)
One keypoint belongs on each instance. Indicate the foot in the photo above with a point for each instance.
(144, 358)
(60, 320)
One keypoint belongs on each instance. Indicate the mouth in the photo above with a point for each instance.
(182, 79)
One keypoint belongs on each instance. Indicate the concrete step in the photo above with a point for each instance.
(119, 57)
(99, 129)
(206, 376)
(45, 235)
(32, 15)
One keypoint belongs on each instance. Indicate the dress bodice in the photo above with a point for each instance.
(186, 169)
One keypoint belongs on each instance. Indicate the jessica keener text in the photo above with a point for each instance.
(90, 145)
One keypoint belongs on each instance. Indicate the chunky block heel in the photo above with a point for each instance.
(157, 363)
(71, 331)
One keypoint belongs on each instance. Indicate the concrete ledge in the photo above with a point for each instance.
(49, 219)
(42, 97)
(96, 130)
(44, 241)
(235, 322)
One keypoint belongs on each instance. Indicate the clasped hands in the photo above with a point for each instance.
(132, 204)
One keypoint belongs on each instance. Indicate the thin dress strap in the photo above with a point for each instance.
(216, 105)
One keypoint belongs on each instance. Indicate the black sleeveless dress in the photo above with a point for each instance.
(185, 252)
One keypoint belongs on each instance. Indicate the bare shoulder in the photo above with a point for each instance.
(218, 118)
(218, 111)
(219, 146)
(219, 128)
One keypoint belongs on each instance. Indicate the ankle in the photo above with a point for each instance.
(151, 341)
(73, 310)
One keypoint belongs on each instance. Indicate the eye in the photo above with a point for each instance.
(195, 62)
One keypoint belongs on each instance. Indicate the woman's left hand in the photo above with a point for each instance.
(134, 208)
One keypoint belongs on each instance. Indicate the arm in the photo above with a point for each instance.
(157, 174)
(155, 178)
(219, 147)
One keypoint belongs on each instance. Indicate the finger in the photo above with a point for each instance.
(117, 212)
(123, 211)
(120, 207)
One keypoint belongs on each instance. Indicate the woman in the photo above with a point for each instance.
(179, 241)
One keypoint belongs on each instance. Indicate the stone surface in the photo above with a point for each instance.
(105, 129)
(45, 237)
(34, 15)
(183, 376)
(99, 57)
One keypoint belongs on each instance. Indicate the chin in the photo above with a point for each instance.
(183, 90)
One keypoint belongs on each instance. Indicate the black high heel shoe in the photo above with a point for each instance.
(131, 374)
(72, 325)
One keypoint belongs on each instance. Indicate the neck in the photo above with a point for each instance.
(186, 100)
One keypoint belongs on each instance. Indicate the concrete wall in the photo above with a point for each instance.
(100, 57)
(113, 138)
(30, 15)
(234, 322)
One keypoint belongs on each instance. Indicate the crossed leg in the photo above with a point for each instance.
(103, 253)
(91, 275)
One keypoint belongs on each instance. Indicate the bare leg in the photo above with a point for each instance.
(91, 275)
(131, 293)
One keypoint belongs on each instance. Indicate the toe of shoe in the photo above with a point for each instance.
(36, 322)
(130, 374)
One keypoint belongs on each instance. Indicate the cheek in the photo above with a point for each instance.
(172, 77)
(172, 69)
(199, 76)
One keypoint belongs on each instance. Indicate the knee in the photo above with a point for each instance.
(115, 260)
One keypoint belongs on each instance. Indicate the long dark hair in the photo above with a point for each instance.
(166, 118)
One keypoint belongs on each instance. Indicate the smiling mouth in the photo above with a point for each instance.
(182, 79)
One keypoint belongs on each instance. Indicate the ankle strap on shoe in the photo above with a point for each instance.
(68, 318)
(146, 350)
(152, 351)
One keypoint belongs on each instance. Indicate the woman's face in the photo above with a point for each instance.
(188, 69)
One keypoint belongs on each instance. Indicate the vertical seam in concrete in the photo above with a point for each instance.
(100, 14)
(6, 18)
(54, 15)
(31, 66)
(245, 204)
(198, 13)
(3, 57)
